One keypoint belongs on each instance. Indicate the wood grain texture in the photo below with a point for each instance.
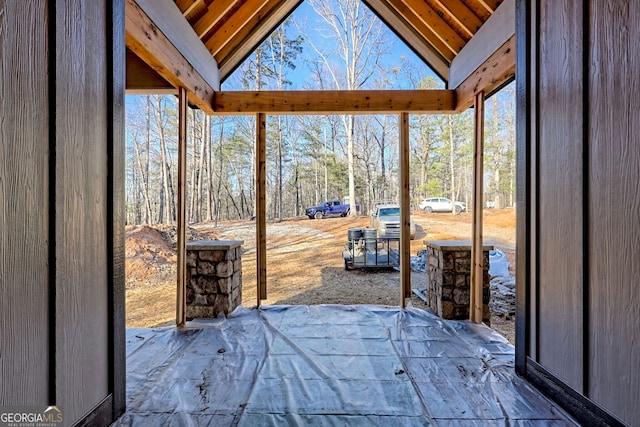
(498, 69)
(560, 193)
(81, 144)
(261, 206)
(335, 101)
(477, 253)
(24, 194)
(168, 19)
(152, 46)
(614, 208)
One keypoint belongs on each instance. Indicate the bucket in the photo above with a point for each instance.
(370, 236)
(354, 233)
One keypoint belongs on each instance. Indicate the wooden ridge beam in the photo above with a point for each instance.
(335, 102)
(167, 50)
(495, 72)
(407, 33)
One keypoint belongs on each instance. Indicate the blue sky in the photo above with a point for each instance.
(305, 14)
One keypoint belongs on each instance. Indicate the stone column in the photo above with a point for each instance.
(449, 279)
(214, 277)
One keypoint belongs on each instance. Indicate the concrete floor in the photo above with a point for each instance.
(329, 366)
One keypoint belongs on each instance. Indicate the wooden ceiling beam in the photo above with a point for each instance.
(497, 70)
(461, 14)
(335, 102)
(233, 25)
(187, 6)
(167, 44)
(215, 12)
(479, 10)
(490, 5)
(413, 38)
(235, 51)
(423, 29)
(429, 17)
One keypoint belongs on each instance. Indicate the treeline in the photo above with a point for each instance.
(314, 158)
(310, 165)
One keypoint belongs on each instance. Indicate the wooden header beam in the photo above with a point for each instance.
(163, 42)
(492, 74)
(335, 102)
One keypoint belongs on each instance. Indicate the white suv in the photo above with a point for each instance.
(440, 204)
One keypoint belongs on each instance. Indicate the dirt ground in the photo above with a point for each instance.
(304, 262)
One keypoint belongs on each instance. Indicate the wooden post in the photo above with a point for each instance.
(477, 275)
(405, 212)
(261, 206)
(181, 234)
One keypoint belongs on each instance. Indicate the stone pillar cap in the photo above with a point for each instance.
(208, 245)
(455, 245)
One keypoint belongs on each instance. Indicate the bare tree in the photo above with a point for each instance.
(359, 40)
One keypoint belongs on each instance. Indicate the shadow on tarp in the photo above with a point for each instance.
(328, 365)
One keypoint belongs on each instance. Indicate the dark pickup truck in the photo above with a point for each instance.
(330, 208)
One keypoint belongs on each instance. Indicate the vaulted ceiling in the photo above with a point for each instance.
(196, 44)
(436, 30)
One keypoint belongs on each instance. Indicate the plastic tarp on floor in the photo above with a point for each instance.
(328, 366)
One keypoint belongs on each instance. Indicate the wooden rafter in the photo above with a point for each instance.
(187, 6)
(215, 12)
(461, 14)
(489, 5)
(334, 102)
(438, 26)
(233, 25)
(401, 8)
